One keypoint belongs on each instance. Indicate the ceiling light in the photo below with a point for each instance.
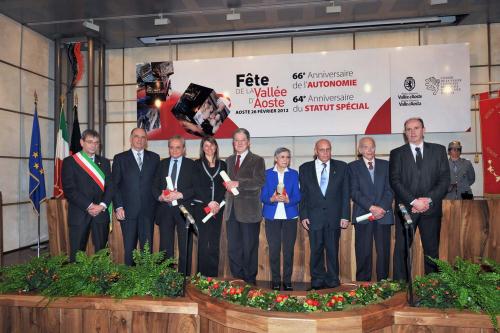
(332, 9)
(89, 24)
(301, 30)
(438, 2)
(233, 16)
(162, 20)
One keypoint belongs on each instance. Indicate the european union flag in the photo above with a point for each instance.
(37, 173)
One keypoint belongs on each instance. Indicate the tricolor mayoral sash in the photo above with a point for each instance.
(91, 168)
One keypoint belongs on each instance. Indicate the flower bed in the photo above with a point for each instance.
(275, 301)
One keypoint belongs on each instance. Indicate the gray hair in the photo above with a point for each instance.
(282, 150)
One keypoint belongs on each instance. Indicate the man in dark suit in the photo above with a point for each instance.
(243, 213)
(371, 193)
(87, 185)
(419, 176)
(133, 173)
(168, 215)
(324, 209)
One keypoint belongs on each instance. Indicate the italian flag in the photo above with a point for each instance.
(62, 151)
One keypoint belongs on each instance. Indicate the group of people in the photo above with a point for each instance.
(318, 196)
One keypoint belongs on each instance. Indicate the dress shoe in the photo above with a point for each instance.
(316, 288)
(332, 285)
(275, 286)
(287, 286)
(251, 282)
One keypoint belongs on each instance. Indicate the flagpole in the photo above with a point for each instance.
(38, 215)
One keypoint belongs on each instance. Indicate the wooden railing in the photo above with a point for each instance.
(470, 229)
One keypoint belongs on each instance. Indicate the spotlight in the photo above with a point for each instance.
(162, 20)
(332, 9)
(90, 25)
(233, 16)
(438, 2)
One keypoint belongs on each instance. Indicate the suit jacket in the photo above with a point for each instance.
(291, 182)
(251, 177)
(409, 183)
(185, 185)
(133, 186)
(81, 190)
(205, 190)
(328, 210)
(462, 179)
(365, 193)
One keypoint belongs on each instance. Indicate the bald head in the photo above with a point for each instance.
(323, 150)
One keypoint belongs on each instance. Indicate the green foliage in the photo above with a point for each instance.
(33, 276)
(94, 275)
(275, 301)
(151, 275)
(464, 286)
(87, 276)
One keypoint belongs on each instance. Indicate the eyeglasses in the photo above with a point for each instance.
(454, 149)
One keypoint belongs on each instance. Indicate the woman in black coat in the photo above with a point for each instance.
(209, 192)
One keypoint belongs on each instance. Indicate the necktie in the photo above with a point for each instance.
(237, 165)
(323, 184)
(455, 166)
(139, 160)
(419, 158)
(370, 169)
(173, 175)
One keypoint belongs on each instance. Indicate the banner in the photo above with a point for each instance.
(328, 93)
(489, 110)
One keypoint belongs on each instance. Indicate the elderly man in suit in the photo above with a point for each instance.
(133, 172)
(461, 172)
(168, 215)
(243, 211)
(87, 185)
(324, 209)
(371, 193)
(419, 174)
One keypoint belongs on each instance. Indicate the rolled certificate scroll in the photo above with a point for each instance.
(365, 217)
(226, 179)
(170, 187)
(209, 215)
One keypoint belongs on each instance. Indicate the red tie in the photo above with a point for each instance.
(237, 165)
(370, 165)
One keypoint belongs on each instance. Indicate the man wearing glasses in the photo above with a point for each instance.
(86, 181)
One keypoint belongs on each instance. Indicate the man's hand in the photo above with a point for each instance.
(232, 184)
(420, 205)
(95, 210)
(305, 224)
(378, 212)
(120, 214)
(344, 223)
(174, 195)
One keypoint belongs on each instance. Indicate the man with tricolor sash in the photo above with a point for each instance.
(87, 185)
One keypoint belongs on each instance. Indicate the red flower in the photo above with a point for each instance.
(352, 293)
(281, 298)
(215, 285)
(209, 279)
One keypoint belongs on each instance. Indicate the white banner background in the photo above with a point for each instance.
(317, 81)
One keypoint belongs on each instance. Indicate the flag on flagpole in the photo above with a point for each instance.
(76, 135)
(62, 151)
(36, 171)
